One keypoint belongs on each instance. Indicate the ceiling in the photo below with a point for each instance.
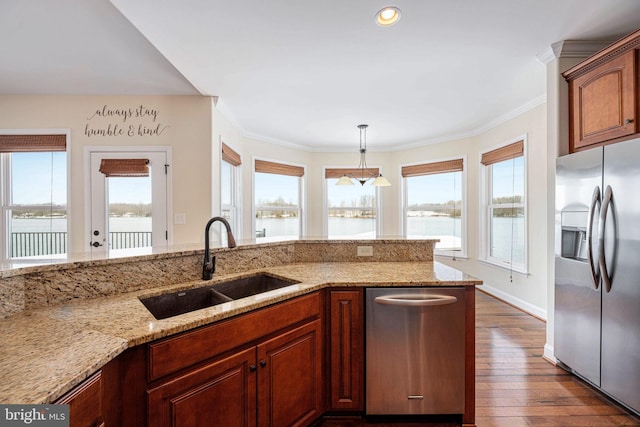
(306, 73)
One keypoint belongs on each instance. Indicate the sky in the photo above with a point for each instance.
(32, 178)
(32, 183)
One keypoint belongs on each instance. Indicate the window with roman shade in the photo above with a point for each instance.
(33, 174)
(352, 210)
(229, 190)
(277, 200)
(434, 204)
(505, 226)
(230, 156)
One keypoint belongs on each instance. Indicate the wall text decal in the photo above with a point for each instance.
(118, 121)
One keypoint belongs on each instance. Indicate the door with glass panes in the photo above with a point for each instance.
(128, 201)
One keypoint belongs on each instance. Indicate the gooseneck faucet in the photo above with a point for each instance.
(209, 264)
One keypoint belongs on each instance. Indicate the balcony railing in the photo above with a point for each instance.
(37, 243)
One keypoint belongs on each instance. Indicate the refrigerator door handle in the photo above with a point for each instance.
(602, 262)
(593, 267)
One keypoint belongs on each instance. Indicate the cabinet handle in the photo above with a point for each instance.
(626, 122)
(252, 368)
(263, 363)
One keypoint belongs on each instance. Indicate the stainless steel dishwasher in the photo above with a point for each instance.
(415, 351)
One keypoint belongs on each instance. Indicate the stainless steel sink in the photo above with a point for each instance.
(180, 302)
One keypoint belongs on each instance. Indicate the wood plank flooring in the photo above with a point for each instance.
(515, 386)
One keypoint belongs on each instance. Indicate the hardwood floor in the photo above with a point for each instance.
(515, 386)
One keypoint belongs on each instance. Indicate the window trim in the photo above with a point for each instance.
(302, 182)
(4, 243)
(485, 219)
(464, 235)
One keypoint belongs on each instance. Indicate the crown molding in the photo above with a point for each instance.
(481, 129)
(437, 140)
(572, 49)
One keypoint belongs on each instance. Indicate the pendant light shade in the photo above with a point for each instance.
(362, 173)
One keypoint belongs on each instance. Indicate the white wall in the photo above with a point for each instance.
(188, 133)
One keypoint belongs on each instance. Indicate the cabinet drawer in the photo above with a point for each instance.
(175, 353)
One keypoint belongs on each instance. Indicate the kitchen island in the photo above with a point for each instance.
(49, 349)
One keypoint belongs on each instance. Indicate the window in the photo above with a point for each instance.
(505, 225)
(34, 196)
(277, 200)
(352, 210)
(229, 190)
(433, 204)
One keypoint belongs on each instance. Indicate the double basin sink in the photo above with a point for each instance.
(185, 301)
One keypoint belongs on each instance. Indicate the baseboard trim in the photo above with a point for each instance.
(548, 354)
(515, 302)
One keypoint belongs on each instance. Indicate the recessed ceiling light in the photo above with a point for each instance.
(388, 16)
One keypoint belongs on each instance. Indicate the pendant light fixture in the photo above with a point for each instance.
(363, 173)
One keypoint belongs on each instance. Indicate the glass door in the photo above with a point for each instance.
(128, 202)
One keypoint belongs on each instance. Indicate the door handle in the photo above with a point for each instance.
(595, 199)
(96, 244)
(602, 261)
(410, 300)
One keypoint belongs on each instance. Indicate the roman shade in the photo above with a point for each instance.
(264, 166)
(354, 172)
(501, 154)
(230, 156)
(455, 165)
(32, 143)
(124, 167)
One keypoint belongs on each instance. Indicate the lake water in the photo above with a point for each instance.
(60, 224)
(359, 228)
(447, 229)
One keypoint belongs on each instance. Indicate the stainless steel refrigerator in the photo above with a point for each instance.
(597, 254)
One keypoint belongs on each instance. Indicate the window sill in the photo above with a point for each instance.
(505, 266)
(450, 254)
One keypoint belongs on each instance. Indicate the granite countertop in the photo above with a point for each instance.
(46, 352)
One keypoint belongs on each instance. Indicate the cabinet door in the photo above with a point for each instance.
(603, 102)
(290, 389)
(346, 341)
(222, 393)
(85, 403)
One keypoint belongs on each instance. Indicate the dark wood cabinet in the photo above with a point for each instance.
(604, 95)
(264, 368)
(85, 403)
(290, 378)
(346, 350)
(222, 393)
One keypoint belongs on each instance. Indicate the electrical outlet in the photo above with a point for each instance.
(365, 250)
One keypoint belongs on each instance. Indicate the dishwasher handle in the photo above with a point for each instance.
(413, 300)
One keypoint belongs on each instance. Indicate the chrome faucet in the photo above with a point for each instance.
(209, 264)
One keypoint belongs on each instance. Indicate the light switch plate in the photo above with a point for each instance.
(365, 250)
(180, 219)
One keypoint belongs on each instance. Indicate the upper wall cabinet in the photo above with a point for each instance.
(604, 91)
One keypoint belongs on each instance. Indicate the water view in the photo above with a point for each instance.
(48, 236)
(446, 228)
